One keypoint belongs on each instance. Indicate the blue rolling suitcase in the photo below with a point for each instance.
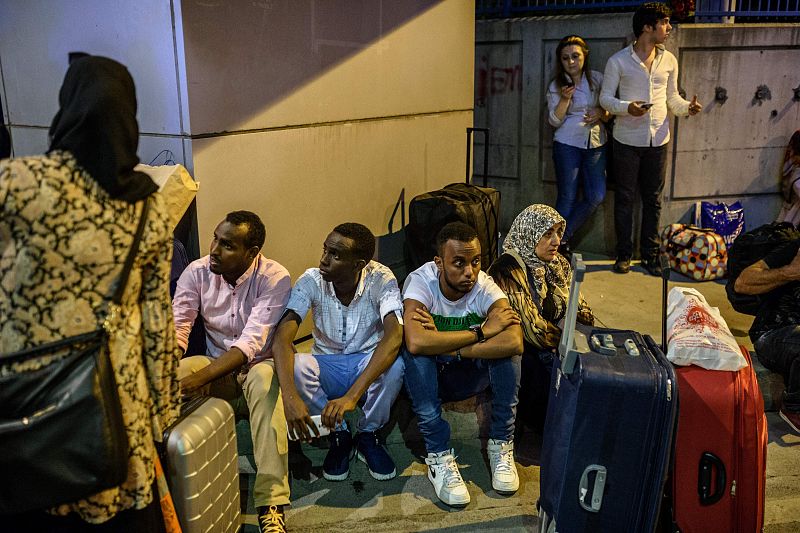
(609, 429)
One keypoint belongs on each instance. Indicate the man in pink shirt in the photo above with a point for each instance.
(240, 296)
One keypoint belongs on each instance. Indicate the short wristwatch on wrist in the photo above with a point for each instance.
(476, 328)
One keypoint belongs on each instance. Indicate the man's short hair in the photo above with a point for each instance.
(256, 233)
(648, 15)
(363, 239)
(454, 231)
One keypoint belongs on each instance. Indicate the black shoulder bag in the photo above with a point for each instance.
(62, 435)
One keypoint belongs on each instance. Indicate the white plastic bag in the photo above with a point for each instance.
(698, 335)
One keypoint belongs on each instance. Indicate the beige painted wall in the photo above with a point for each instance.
(304, 181)
(294, 63)
(375, 96)
(308, 112)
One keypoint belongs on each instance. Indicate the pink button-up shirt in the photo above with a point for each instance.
(243, 316)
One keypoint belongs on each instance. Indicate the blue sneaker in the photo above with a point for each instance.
(372, 452)
(336, 466)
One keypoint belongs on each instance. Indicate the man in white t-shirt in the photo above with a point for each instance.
(461, 337)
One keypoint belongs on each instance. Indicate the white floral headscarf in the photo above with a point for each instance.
(526, 231)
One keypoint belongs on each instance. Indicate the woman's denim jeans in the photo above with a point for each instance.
(431, 380)
(575, 167)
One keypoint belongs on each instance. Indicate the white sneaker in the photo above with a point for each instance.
(443, 473)
(504, 470)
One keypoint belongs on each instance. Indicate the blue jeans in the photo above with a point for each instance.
(430, 382)
(574, 167)
(779, 351)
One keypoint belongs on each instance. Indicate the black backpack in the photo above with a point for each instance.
(749, 248)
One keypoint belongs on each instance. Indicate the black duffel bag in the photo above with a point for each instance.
(478, 207)
(749, 248)
(475, 206)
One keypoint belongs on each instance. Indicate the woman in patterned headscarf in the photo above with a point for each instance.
(67, 221)
(536, 279)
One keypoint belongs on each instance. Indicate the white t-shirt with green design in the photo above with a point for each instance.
(423, 285)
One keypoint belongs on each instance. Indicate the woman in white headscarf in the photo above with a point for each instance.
(536, 279)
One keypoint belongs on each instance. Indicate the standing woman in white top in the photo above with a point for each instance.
(580, 137)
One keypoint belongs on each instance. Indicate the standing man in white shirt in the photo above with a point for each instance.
(358, 330)
(639, 85)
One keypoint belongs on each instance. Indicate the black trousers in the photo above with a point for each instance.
(779, 351)
(147, 520)
(642, 167)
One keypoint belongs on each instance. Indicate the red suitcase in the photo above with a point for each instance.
(720, 455)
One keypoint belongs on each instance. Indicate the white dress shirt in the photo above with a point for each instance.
(627, 79)
(572, 130)
(347, 329)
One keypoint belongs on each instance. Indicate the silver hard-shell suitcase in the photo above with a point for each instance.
(201, 465)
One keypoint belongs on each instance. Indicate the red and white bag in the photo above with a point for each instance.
(698, 335)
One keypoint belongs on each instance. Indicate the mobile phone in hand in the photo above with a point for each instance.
(317, 419)
(568, 81)
(647, 105)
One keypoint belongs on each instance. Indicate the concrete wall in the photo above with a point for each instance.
(731, 152)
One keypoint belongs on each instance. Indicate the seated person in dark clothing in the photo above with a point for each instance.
(776, 329)
(536, 279)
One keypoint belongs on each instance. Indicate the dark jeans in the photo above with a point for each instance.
(644, 167)
(576, 167)
(430, 382)
(779, 351)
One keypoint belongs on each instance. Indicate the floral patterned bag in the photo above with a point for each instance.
(695, 252)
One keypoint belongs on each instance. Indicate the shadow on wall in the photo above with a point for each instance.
(244, 56)
(770, 161)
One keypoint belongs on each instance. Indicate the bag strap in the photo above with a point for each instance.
(128, 265)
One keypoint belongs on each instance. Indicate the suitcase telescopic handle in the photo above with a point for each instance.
(596, 494)
(708, 462)
(401, 205)
(568, 349)
(665, 271)
(485, 132)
